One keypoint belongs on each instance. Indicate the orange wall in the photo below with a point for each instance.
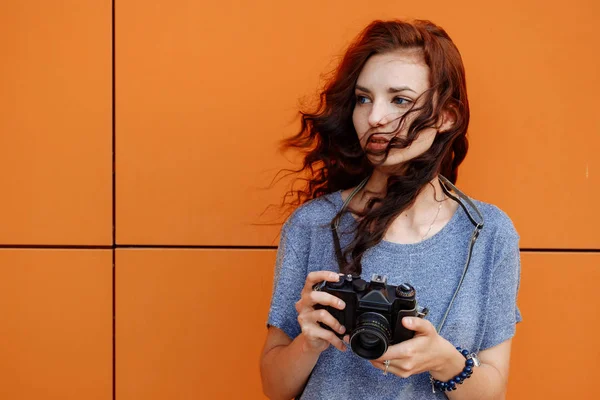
(202, 93)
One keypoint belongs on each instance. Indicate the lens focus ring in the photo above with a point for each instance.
(371, 337)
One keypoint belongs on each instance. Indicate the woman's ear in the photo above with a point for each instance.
(447, 120)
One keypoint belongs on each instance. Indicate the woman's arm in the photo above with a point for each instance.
(428, 351)
(285, 364)
(488, 381)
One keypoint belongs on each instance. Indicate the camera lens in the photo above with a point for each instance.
(371, 337)
(368, 341)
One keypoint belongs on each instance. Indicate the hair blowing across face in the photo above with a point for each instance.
(333, 157)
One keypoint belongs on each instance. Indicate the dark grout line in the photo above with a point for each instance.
(534, 250)
(197, 247)
(217, 247)
(114, 209)
(130, 246)
(56, 246)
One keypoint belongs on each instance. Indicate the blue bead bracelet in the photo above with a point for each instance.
(471, 361)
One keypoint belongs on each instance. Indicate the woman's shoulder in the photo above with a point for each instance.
(317, 212)
(496, 221)
(312, 216)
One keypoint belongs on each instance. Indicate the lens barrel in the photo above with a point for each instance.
(371, 337)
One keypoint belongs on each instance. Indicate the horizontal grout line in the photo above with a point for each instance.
(55, 246)
(174, 246)
(528, 250)
(204, 247)
(132, 246)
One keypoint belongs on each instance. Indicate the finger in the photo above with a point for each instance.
(308, 301)
(319, 276)
(325, 317)
(399, 351)
(316, 332)
(393, 368)
(380, 365)
(311, 280)
(325, 299)
(419, 325)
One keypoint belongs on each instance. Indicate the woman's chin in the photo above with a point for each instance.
(389, 166)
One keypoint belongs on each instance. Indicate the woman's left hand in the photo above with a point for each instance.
(426, 351)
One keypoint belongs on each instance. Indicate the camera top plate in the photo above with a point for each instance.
(379, 279)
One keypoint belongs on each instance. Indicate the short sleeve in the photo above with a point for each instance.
(289, 277)
(502, 310)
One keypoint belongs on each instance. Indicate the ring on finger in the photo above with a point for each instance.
(387, 365)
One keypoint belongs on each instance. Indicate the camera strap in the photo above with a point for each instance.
(478, 227)
(452, 192)
(335, 223)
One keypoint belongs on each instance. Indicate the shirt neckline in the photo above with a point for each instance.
(452, 226)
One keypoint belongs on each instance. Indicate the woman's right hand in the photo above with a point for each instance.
(317, 338)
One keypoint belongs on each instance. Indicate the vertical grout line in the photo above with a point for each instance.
(114, 211)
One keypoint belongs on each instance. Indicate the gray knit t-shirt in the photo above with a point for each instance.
(484, 313)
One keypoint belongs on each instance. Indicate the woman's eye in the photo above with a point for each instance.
(401, 101)
(361, 99)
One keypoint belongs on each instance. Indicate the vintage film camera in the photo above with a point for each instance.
(373, 313)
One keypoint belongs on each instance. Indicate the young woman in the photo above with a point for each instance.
(382, 152)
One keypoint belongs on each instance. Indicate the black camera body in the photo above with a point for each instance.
(373, 313)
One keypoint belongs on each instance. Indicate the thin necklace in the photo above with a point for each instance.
(362, 185)
(433, 222)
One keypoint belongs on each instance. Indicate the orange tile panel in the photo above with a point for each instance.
(56, 330)
(55, 122)
(191, 323)
(205, 91)
(557, 346)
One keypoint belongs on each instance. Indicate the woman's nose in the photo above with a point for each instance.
(378, 115)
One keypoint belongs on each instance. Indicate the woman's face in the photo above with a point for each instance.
(387, 87)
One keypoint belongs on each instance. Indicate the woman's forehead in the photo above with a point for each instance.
(394, 69)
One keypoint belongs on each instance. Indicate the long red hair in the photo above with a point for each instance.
(333, 157)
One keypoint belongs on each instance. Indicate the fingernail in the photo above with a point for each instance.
(342, 329)
(341, 304)
(408, 321)
(335, 276)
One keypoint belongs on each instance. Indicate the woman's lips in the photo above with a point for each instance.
(377, 144)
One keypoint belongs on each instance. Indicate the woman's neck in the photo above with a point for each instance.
(428, 214)
(416, 214)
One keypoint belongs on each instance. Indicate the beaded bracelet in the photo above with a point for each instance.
(471, 361)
